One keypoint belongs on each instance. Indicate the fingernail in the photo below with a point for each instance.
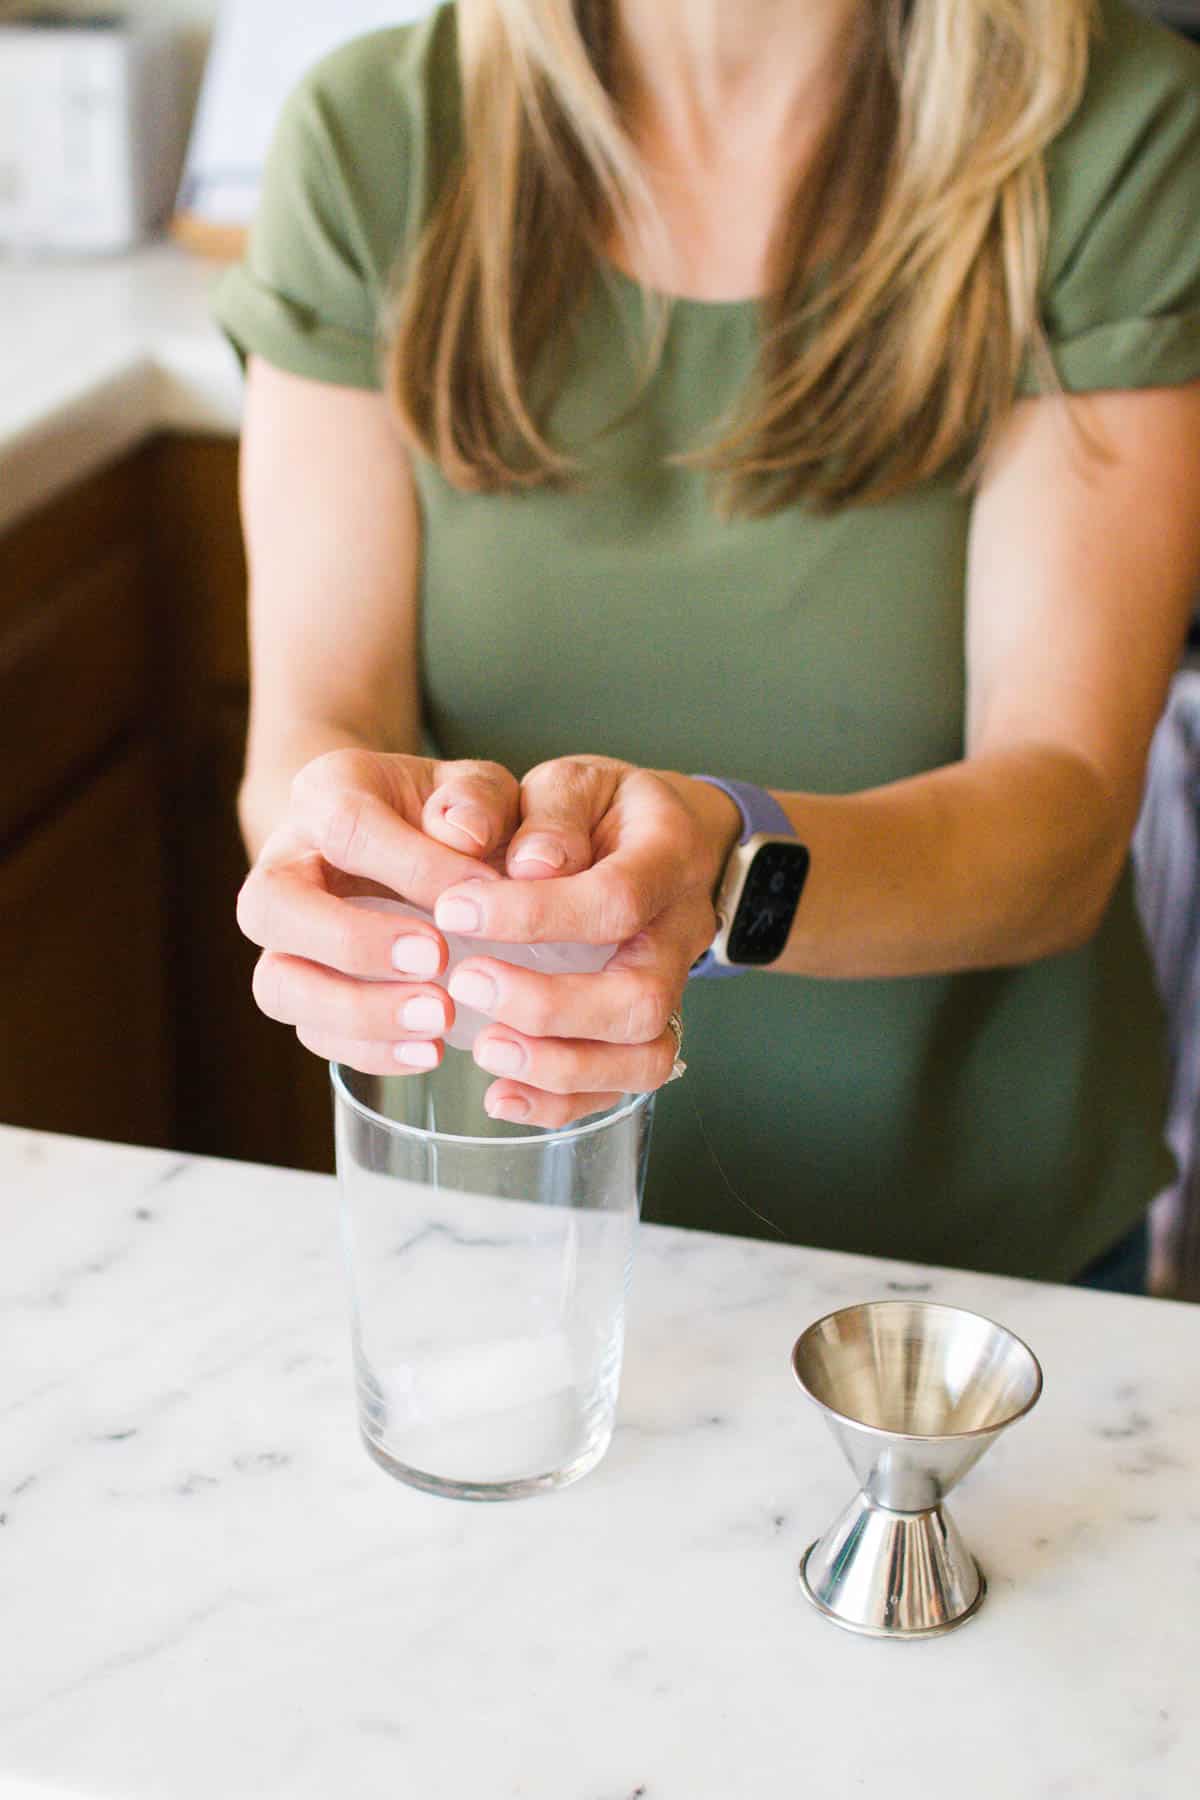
(500, 1056)
(417, 1056)
(423, 1014)
(456, 915)
(510, 1106)
(545, 853)
(470, 821)
(473, 989)
(415, 956)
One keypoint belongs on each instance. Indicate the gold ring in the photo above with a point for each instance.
(675, 1027)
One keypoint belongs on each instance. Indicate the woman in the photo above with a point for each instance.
(820, 521)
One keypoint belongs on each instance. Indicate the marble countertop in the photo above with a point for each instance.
(96, 354)
(207, 1588)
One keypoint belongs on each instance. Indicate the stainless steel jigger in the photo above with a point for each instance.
(914, 1394)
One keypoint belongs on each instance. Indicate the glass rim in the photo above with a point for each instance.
(564, 1135)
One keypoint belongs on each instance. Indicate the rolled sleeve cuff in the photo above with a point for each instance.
(1127, 353)
(259, 321)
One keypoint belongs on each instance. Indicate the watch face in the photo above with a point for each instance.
(768, 904)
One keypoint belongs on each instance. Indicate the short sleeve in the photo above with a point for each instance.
(308, 294)
(1121, 296)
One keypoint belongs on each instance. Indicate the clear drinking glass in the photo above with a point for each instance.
(488, 1268)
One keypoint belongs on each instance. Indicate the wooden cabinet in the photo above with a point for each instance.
(84, 1045)
(123, 693)
(244, 1085)
(84, 1042)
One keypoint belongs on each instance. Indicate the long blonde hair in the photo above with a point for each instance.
(890, 347)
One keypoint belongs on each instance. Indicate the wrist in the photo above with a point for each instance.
(717, 818)
(763, 878)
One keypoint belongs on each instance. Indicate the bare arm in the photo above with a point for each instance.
(1082, 571)
(1081, 576)
(336, 799)
(332, 541)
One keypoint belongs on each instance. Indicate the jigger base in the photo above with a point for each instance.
(893, 1575)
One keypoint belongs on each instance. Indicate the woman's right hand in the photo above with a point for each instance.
(356, 984)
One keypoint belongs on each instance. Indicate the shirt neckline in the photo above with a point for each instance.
(678, 303)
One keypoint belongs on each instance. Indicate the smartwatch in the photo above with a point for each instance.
(760, 885)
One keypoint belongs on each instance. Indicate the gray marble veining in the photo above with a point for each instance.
(207, 1589)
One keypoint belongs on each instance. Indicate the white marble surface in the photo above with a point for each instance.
(207, 1589)
(96, 354)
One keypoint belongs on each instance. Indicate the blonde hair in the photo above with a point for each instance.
(890, 346)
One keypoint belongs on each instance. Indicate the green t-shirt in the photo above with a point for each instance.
(1008, 1120)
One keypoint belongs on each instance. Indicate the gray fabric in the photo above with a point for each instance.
(1166, 851)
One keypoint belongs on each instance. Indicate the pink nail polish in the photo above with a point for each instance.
(417, 1056)
(472, 989)
(456, 915)
(500, 1056)
(415, 956)
(423, 1014)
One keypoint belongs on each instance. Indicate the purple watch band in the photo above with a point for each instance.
(760, 812)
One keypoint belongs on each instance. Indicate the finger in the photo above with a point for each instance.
(605, 904)
(527, 1106)
(302, 993)
(630, 1006)
(474, 808)
(628, 1002)
(562, 802)
(356, 830)
(284, 910)
(575, 1065)
(670, 944)
(407, 1058)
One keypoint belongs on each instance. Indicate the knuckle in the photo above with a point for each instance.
(306, 782)
(404, 789)
(529, 915)
(331, 770)
(576, 770)
(346, 949)
(563, 1072)
(650, 1005)
(341, 829)
(620, 907)
(557, 1109)
(590, 1104)
(546, 1112)
(319, 1043)
(574, 1107)
(552, 766)
(706, 923)
(250, 909)
(344, 1012)
(269, 985)
(540, 1013)
(660, 1060)
(491, 776)
(334, 804)
(571, 776)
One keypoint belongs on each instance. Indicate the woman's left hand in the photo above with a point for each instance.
(606, 853)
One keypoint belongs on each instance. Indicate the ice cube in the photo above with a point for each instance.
(549, 959)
